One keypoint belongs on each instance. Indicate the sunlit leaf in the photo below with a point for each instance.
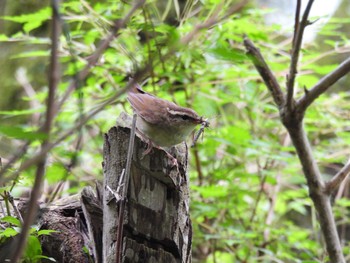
(31, 21)
(21, 133)
(11, 220)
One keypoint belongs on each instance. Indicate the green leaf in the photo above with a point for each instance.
(32, 54)
(21, 133)
(46, 232)
(21, 112)
(3, 37)
(11, 220)
(227, 53)
(33, 248)
(211, 191)
(31, 21)
(55, 172)
(8, 232)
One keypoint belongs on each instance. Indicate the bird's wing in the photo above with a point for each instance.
(146, 106)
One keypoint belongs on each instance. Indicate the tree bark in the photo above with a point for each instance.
(317, 192)
(292, 114)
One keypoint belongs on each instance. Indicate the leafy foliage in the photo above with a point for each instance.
(33, 252)
(249, 199)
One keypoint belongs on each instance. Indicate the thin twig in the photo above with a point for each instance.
(93, 59)
(15, 208)
(5, 197)
(265, 72)
(262, 178)
(198, 166)
(118, 194)
(40, 172)
(3, 212)
(38, 157)
(293, 122)
(334, 183)
(213, 20)
(21, 152)
(81, 76)
(136, 78)
(298, 36)
(120, 225)
(323, 85)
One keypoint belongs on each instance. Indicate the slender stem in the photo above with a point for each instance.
(265, 72)
(93, 58)
(262, 178)
(292, 119)
(40, 155)
(335, 182)
(296, 20)
(120, 225)
(298, 36)
(40, 172)
(137, 78)
(324, 84)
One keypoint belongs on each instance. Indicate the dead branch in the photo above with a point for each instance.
(335, 182)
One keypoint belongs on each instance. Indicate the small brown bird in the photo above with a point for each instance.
(162, 122)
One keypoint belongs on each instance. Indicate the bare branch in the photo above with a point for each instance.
(316, 191)
(298, 36)
(296, 20)
(324, 84)
(334, 183)
(265, 72)
(292, 120)
(54, 76)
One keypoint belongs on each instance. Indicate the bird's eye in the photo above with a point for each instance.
(185, 117)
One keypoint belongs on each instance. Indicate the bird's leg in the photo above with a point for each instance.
(172, 158)
(149, 148)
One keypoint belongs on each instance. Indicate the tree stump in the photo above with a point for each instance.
(157, 226)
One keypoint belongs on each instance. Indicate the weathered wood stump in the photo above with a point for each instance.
(157, 226)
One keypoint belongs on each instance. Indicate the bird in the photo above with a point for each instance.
(161, 122)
